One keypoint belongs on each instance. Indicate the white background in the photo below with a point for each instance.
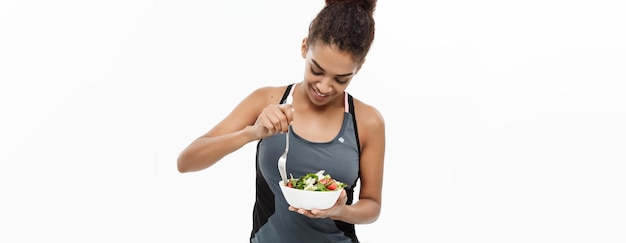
(505, 119)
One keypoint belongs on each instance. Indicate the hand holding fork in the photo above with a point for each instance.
(282, 161)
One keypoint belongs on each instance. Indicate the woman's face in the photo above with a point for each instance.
(327, 72)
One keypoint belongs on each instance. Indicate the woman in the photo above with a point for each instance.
(322, 123)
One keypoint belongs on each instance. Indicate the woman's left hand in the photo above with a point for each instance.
(326, 213)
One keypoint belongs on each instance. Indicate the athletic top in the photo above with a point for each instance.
(272, 220)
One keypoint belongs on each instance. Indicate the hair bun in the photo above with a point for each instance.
(367, 5)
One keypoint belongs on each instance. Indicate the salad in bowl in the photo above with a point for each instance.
(315, 182)
(312, 191)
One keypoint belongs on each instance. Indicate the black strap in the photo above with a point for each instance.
(356, 130)
(286, 94)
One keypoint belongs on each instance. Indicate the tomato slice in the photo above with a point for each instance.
(332, 186)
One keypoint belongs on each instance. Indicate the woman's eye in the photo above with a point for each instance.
(341, 81)
(315, 73)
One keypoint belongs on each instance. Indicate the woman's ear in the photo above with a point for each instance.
(304, 48)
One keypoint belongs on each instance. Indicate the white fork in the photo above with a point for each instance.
(282, 161)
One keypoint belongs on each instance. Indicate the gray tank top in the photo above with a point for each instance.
(272, 221)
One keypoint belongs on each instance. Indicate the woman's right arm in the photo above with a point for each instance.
(243, 125)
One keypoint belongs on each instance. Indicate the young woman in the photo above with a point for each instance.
(328, 129)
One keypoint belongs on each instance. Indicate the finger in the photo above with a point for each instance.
(266, 123)
(260, 123)
(279, 120)
(316, 212)
(283, 116)
(300, 211)
(288, 110)
(273, 117)
(261, 130)
(276, 118)
(306, 213)
(343, 197)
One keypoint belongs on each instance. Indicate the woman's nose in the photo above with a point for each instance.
(324, 85)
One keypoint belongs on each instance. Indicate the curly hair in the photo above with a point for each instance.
(347, 24)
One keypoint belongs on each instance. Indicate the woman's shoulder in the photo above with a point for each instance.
(268, 94)
(367, 116)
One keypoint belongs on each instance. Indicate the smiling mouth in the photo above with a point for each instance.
(318, 93)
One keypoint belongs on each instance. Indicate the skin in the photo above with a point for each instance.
(314, 117)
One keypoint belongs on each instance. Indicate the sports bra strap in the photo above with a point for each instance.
(291, 89)
(350, 105)
(288, 92)
(346, 104)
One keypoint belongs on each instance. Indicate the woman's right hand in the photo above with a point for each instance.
(274, 119)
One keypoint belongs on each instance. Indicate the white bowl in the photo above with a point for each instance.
(309, 199)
